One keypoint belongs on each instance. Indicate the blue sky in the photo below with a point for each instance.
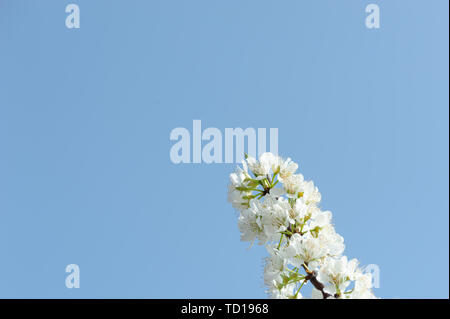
(85, 118)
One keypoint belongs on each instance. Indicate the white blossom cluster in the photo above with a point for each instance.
(280, 209)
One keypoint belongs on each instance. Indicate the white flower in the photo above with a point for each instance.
(310, 193)
(293, 185)
(336, 273)
(249, 224)
(267, 160)
(320, 219)
(363, 281)
(235, 198)
(238, 180)
(273, 269)
(262, 167)
(285, 168)
(331, 239)
(286, 292)
(363, 287)
(301, 211)
(277, 192)
(275, 217)
(304, 249)
(238, 177)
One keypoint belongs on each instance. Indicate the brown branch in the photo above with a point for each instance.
(312, 277)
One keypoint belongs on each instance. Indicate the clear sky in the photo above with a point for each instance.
(85, 118)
